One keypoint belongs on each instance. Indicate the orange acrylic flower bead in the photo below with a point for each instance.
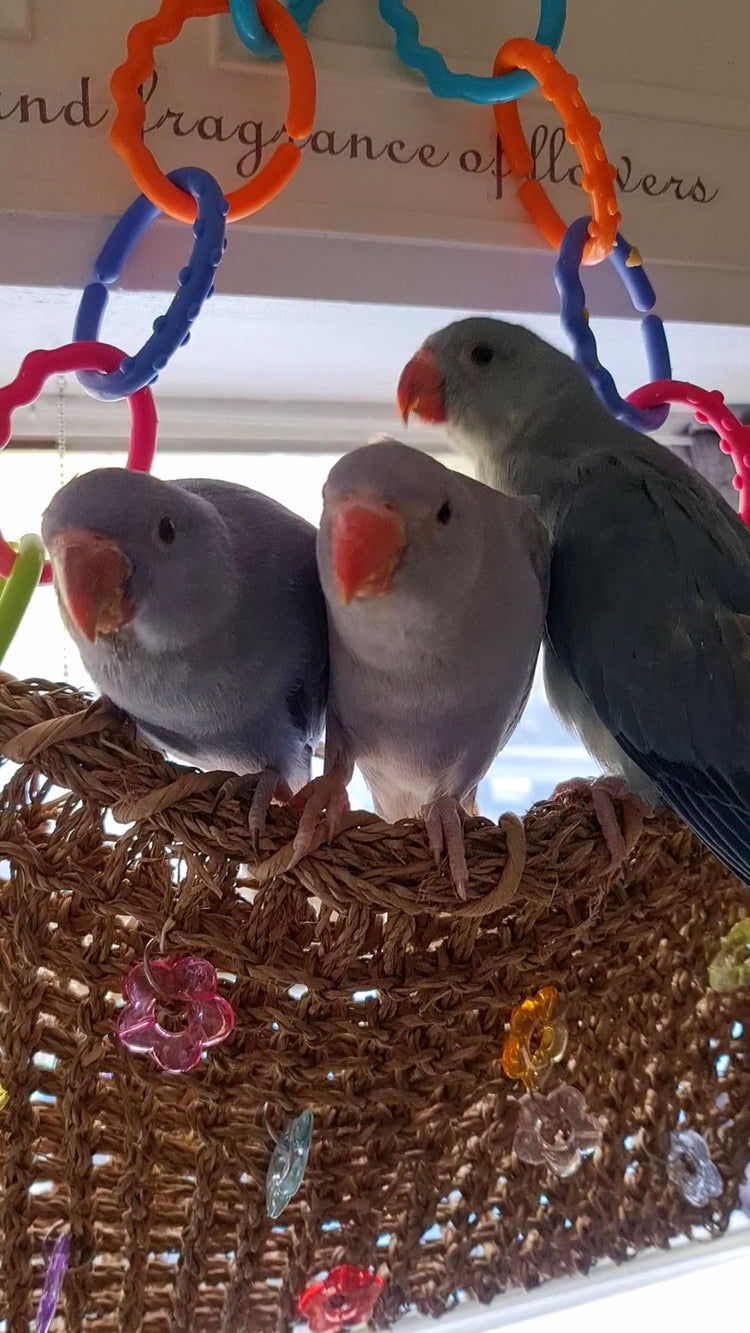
(536, 1040)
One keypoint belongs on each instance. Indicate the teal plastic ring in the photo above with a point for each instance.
(251, 32)
(441, 81)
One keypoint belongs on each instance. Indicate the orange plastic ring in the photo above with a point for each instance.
(126, 136)
(581, 131)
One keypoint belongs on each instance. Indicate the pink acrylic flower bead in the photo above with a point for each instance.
(556, 1131)
(345, 1297)
(173, 1012)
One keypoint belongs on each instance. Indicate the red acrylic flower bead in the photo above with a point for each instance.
(173, 1012)
(347, 1296)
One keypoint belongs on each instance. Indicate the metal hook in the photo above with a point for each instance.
(56, 1229)
(168, 924)
(271, 1133)
(146, 965)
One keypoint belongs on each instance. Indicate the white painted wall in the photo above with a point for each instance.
(668, 82)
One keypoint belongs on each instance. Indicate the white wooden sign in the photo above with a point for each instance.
(400, 196)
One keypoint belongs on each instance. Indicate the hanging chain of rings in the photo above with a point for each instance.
(191, 195)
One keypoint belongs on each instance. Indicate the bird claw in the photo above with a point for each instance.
(259, 789)
(604, 791)
(445, 832)
(325, 795)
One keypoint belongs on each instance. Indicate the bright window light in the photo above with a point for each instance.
(685, 1287)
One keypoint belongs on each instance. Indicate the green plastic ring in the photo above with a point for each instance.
(19, 588)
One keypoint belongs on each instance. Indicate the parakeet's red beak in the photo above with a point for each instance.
(367, 538)
(421, 388)
(90, 574)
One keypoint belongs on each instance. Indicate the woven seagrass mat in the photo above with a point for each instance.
(363, 991)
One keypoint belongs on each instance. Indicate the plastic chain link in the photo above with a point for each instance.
(582, 133)
(126, 86)
(26, 387)
(708, 408)
(251, 31)
(574, 317)
(16, 594)
(195, 284)
(442, 82)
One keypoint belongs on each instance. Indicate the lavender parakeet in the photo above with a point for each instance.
(196, 609)
(436, 588)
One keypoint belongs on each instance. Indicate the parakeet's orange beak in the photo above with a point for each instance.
(367, 538)
(421, 388)
(90, 574)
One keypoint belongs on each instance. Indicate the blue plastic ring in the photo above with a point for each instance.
(442, 82)
(574, 318)
(195, 284)
(250, 30)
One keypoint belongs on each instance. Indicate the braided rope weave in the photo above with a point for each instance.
(160, 1179)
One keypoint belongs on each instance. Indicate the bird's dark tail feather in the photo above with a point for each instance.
(716, 807)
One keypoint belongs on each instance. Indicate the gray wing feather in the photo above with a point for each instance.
(254, 521)
(650, 616)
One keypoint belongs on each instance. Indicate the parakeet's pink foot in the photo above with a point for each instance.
(325, 795)
(604, 791)
(259, 789)
(445, 830)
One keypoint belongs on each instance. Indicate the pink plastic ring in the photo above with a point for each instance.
(709, 409)
(26, 387)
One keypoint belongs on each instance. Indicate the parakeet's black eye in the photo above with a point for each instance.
(444, 513)
(167, 531)
(481, 355)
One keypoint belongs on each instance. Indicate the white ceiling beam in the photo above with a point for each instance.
(242, 425)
